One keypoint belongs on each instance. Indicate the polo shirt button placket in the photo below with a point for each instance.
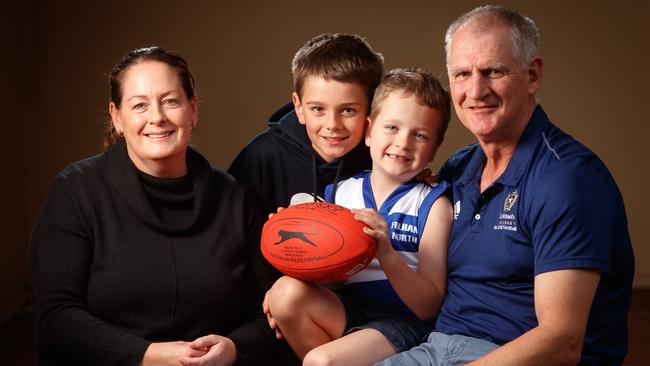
(476, 224)
(476, 218)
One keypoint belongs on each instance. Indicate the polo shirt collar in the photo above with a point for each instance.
(538, 122)
(473, 167)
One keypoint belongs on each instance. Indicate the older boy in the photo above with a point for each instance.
(316, 139)
(385, 308)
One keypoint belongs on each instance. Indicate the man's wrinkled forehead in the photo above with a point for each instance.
(471, 42)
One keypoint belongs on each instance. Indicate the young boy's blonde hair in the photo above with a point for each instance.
(419, 82)
(340, 57)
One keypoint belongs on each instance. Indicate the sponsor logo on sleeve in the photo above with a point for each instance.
(456, 209)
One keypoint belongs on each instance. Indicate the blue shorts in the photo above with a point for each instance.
(402, 328)
(442, 350)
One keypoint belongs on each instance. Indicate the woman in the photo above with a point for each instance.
(145, 254)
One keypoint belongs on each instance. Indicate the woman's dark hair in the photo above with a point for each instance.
(136, 56)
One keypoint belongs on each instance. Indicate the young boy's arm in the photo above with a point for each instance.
(424, 290)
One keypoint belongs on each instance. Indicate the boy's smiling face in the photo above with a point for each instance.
(403, 137)
(334, 114)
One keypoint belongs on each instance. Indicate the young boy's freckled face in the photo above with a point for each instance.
(334, 114)
(403, 137)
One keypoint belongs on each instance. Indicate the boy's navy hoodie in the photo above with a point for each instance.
(279, 164)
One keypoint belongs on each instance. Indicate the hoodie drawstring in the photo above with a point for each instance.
(314, 177)
(335, 187)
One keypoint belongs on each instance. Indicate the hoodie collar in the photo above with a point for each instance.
(286, 120)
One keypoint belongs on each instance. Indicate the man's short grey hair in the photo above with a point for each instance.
(524, 32)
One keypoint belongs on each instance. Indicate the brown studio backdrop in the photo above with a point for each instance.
(595, 84)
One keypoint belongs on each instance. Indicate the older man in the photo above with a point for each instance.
(540, 260)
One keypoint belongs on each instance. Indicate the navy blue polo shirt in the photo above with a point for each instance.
(555, 207)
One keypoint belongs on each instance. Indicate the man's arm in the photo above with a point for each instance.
(562, 302)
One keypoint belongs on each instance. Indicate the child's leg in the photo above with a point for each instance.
(363, 347)
(308, 315)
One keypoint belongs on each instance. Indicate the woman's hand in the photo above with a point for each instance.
(217, 351)
(377, 228)
(169, 353)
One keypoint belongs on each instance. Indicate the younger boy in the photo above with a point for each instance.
(386, 308)
(316, 139)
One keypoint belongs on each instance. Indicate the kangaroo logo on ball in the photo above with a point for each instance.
(287, 235)
(329, 246)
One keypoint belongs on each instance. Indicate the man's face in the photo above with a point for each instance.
(492, 94)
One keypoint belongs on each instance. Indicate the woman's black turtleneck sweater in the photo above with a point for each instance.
(119, 259)
(170, 198)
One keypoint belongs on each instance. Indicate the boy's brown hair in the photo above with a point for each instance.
(419, 82)
(340, 57)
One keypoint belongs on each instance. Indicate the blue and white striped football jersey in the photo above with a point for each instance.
(405, 210)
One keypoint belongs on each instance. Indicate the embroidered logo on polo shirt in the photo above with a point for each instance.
(510, 201)
(507, 219)
(456, 209)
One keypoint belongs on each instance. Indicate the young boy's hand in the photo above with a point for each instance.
(377, 228)
(276, 211)
(272, 324)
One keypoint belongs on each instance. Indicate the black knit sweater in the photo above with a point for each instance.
(108, 275)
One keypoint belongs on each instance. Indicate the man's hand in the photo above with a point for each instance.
(427, 176)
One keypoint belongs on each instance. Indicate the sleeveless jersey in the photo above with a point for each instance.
(405, 210)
